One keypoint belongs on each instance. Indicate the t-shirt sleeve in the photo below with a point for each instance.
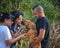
(7, 35)
(42, 24)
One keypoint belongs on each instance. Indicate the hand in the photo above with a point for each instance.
(23, 36)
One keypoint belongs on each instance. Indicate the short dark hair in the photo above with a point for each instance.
(38, 7)
(35, 6)
(1, 14)
(5, 15)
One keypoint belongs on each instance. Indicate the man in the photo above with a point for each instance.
(42, 27)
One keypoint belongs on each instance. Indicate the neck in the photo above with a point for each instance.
(3, 24)
(42, 16)
(15, 25)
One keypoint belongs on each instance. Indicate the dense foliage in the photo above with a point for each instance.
(26, 6)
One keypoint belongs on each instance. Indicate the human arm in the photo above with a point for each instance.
(8, 38)
(42, 31)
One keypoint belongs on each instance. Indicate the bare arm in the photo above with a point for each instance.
(14, 35)
(40, 37)
(41, 34)
(10, 42)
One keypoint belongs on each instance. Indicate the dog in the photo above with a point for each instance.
(31, 33)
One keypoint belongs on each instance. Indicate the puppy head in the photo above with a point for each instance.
(29, 24)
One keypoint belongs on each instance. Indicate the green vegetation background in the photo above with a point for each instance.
(51, 8)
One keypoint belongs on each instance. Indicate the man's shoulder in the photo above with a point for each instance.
(44, 18)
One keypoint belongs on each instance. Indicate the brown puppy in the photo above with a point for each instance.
(31, 33)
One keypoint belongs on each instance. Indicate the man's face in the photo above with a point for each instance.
(37, 14)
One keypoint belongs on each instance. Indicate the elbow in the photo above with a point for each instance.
(42, 38)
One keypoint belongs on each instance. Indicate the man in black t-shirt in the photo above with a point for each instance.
(42, 26)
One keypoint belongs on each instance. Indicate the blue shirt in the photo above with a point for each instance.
(43, 23)
(14, 31)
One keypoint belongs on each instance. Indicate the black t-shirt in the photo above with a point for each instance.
(43, 23)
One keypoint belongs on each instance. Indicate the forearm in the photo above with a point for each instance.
(12, 41)
(41, 34)
(17, 34)
(16, 39)
(39, 38)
